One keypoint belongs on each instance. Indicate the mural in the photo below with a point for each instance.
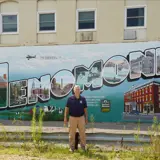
(121, 82)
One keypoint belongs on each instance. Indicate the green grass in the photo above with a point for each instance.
(57, 152)
(52, 151)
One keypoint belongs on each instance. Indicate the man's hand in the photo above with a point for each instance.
(86, 121)
(86, 115)
(65, 121)
(65, 115)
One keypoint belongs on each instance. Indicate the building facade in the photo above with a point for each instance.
(48, 22)
(38, 91)
(144, 98)
(3, 81)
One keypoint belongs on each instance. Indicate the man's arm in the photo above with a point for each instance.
(86, 115)
(85, 111)
(66, 112)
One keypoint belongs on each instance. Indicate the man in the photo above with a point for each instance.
(77, 109)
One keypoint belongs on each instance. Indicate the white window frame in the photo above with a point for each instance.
(150, 88)
(1, 23)
(46, 12)
(159, 89)
(86, 10)
(150, 97)
(145, 17)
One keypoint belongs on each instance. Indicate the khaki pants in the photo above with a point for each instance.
(74, 123)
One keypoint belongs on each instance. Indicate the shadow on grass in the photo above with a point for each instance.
(93, 154)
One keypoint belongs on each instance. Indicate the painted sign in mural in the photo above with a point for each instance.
(120, 81)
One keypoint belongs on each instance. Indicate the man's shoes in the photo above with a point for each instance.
(83, 149)
(71, 150)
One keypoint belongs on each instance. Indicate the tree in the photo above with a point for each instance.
(46, 92)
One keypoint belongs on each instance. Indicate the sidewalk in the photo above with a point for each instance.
(55, 126)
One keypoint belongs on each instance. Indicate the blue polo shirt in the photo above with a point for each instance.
(76, 106)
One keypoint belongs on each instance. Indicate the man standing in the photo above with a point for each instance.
(77, 109)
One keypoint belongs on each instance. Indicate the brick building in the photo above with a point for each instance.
(144, 98)
(41, 92)
(3, 81)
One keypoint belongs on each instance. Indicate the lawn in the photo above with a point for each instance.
(46, 151)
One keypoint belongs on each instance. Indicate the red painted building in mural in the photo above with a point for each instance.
(3, 81)
(144, 98)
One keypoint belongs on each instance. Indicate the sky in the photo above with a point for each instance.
(137, 54)
(68, 56)
(117, 59)
(66, 76)
(158, 51)
(3, 69)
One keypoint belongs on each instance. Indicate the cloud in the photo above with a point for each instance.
(65, 56)
(3, 69)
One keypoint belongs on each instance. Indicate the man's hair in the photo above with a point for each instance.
(76, 86)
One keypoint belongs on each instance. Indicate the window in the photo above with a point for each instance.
(47, 22)
(150, 88)
(9, 23)
(140, 108)
(142, 91)
(150, 97)
(135, 17)
(158, 89)
(145, 108)
(86, 20)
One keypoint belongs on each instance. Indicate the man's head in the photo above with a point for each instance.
(77, 90)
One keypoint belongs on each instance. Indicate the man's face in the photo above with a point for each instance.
(77, 90)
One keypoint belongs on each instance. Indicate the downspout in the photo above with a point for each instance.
(36, 22)
(75, 21)
(1, 25)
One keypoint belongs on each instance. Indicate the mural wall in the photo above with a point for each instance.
(120, 81)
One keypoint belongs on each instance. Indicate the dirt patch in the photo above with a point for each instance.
(17, 157)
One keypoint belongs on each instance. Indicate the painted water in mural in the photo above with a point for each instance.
(120, 81)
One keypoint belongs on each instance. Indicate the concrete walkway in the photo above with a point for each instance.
(54, 127)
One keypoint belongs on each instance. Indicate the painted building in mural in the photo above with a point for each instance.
(143, 99)
(3, 89)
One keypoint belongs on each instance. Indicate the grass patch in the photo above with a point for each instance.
(52, 151)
